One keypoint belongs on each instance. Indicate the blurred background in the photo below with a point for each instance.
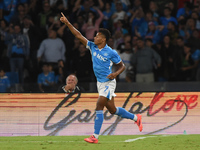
(158, 41)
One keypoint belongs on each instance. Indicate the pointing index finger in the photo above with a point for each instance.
(62, 14)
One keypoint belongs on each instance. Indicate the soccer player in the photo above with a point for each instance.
(103, 57)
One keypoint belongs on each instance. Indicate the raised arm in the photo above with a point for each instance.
(74, 31)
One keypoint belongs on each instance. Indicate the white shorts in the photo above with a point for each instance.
(107, 89)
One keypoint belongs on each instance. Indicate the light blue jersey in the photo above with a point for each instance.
(103, 60)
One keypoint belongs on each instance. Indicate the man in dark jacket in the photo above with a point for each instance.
(71, 85)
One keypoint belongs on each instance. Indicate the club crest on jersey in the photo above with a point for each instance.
(94, 54)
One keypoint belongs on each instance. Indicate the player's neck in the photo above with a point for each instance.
(102, 45)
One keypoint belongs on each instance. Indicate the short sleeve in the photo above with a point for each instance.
(115, 57)
(90, 45)
(39, 81)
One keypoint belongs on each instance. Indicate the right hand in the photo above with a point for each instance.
(63, 19)
(69, 87)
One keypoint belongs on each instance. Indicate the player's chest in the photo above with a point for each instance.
(100, 56)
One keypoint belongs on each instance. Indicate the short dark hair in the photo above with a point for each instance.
(188, 45)
(106, 33)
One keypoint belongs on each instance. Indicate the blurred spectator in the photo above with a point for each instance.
(61, 72)
(166, 71)
(107, 16)
(119, 14)
(91, 26)
(136, 20)
(32, 32)
(114, 5)
(172, 7)
(187, 69)
(143, 59)
(51, 49)
(4, 82)
(82, 65)
(45, 79)
(3, 48)
(8, 8)
(153, 33)
(118, 38)
(120, 25)
(181, 27)
(143, 28)
(153, 7)
(196, 58)
(126, 57)
(189, 27)
(149, 42)
(134, 43)
(126, 40)
(196, 17)
(172, 31)
(43, 16)
(18, 17)
(164, 20)
(185, 11)
(18, 50)
(136, 5)
(71, 85)
(85, 8)
(194, 39)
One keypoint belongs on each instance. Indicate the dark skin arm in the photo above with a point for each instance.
(120, 68)
(74, 31)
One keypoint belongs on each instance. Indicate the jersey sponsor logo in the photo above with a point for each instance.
(101, 57)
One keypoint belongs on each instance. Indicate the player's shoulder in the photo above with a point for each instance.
(110, 50)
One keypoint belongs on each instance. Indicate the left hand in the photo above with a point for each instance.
(111, 76)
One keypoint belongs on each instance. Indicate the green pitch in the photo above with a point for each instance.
(118, 142)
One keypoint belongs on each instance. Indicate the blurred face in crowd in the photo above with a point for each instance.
(167, 12)
(166, 40)
(171, 5)
(134, 40)
(190, 22)
(195, 34)
(2, 73)
(71, 79)
(152, 27)
(119, 7)
(195, 15)
(149, 43)
(17, 29)
(137, 3)
(187, 49)
(52, 34)
(149, 16)
(153, 6)
(45, 69)
(140, 44)
(46, 7)
(3, 24)
(107, 6)
(170, 26)
(180, 42)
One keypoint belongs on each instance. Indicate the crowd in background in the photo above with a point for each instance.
(156, 43)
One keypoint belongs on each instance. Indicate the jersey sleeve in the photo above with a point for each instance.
(90, 45)
(115, 57)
